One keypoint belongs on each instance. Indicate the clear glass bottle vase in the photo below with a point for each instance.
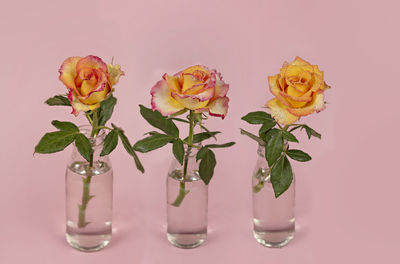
(89, 191)
(187, 204)
(273, 218)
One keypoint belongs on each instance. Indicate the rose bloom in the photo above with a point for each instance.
(195, 88)
(299, 91)
(89, 81)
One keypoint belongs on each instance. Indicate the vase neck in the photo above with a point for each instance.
(192, 151)
(97, 141)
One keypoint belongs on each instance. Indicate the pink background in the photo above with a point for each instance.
(347, 196)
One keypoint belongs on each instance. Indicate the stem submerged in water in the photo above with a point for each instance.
(182, 188)
(86, 181)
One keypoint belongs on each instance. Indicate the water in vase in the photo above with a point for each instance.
(273, 218)
(93, 231)
(187, 223)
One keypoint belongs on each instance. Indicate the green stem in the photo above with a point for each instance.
(258, 187)
(182, 188)
(105, 127)
(86, 181)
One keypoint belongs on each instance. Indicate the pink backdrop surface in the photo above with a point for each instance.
(347, 196)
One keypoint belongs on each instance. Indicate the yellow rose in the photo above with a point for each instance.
(195, 88)
(298, 90)
(89, 81)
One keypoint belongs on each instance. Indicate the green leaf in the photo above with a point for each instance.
(58, 100)
(207, 165)
(258, 117)
(178, 113)
(110, 142)
(65, 126)
(83, 145)
(202, 136)
(152, 142)
(281, 176)
(179, 119)
(272, 132)
(151, 133)
(178, 150)
(295, 127)
(129, 149)
(155, 119)
(289, 136)
(106, 109)
(226, 145)
(311, 132)
(252, 136)
(298, 155)
(201, 153)
(274, 148)
(55, 141)
(206, 129)
(267, 125)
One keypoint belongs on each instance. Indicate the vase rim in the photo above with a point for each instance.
(86, 130)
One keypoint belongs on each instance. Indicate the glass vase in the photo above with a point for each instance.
(273, 218)
(187, 204)
(89, 192)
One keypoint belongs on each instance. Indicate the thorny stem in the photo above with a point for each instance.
(86, 181)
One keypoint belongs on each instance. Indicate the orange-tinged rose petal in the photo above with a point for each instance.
(219, 107)
(97, 82)
(96, 97)
(317, 84)
(162, 100)
(280, 113)
(317, 104)
(192, 69)
(305, 77)
(114, 72)
(274, 85)
(78, 106)
(284, 68)
(190, 102)
(318, 71)
(304, 98)
(68, 72)
(295, 72)
(282, 82)
(275, 90)
(173, 83)
(86, 88)
(294, 97)
(296, 104)
(191, 83)
(92, 62)
(221, 88)
(300, 62)
(194, 78)
(292, 91)
(301, 88)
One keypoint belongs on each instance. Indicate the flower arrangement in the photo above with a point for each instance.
(90, 83)
(196, 90)
(299, 91)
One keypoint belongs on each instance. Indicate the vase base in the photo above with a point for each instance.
(88, 243)
(275, 239)
(187, 240)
